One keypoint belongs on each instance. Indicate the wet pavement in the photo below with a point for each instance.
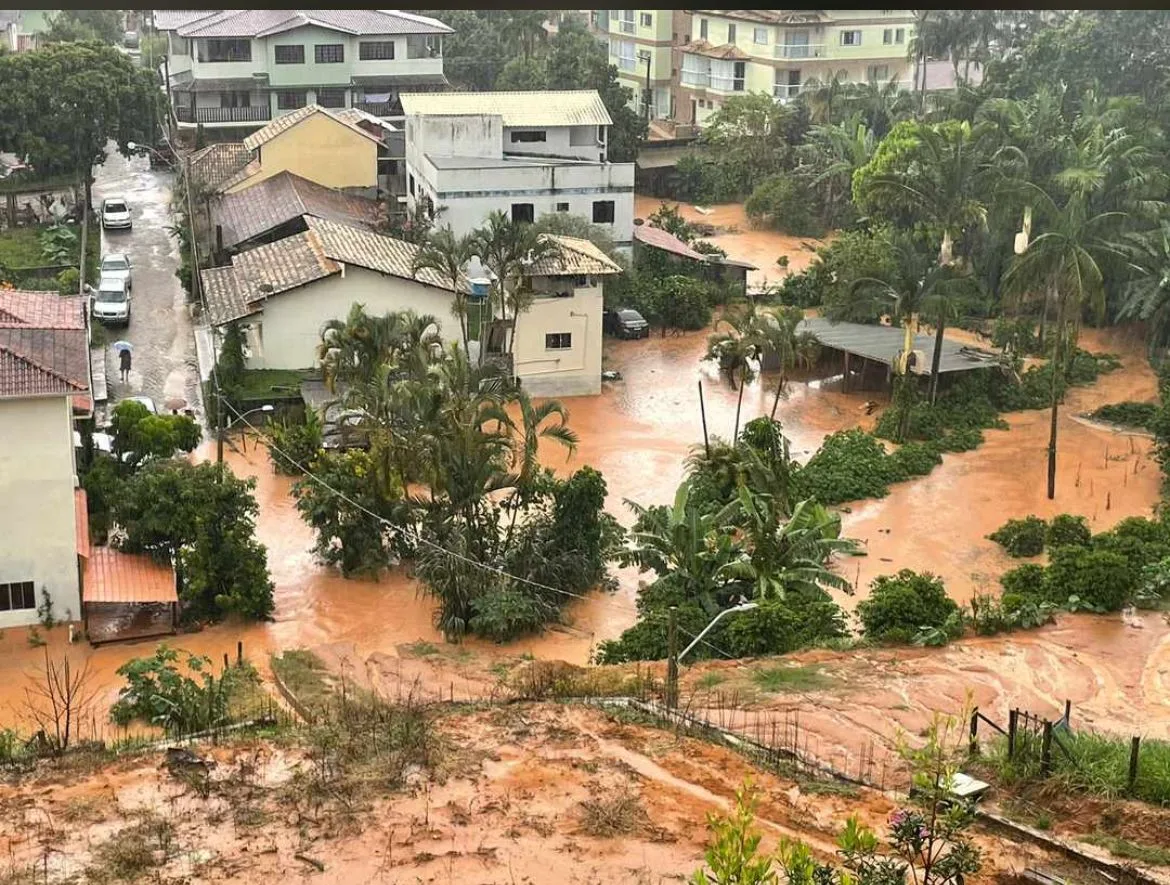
(163, 365)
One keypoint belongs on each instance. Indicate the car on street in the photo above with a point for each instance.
(116, 214)
(130, 39)
(117, 264)
(625, 323)
(343, 429)
(145, 401)
(111, 302)
(102, 442)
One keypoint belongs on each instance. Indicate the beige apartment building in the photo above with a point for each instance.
(697, 58)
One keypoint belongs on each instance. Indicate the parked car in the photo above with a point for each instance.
(130, 39)
(625, 323)
(117, 264)
(116, 214)
(102, 442)
(145, 401)
(342, 429)
(111, 303)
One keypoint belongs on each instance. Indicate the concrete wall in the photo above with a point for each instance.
(320, 149)
(579, 142)
(574, 371)
(291, 323)
(454, 136)
(38, 535)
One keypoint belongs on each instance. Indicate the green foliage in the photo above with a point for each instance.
(506, 613)
(1127, 414)
(850, 465)
(684, 303)
(1141, 541)
(101, 483)
(804, 289)
(782, 626)
(781, 202)
(854, 255)
(990, 615)
(1068, 530)
(140, 436)
(1024, 581)
(1154, 585)
(1015, 336)
(69, 281)
(900, 605)
(1021, 537)
(298, 439)
(77, 25)
(1093, 580)
(59, 243)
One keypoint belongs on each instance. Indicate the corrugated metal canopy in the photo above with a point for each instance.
(578, 107)
(882, 343)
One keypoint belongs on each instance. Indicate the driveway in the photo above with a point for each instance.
(164, 365)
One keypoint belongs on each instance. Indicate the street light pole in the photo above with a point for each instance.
(646, 57)
(745, 607)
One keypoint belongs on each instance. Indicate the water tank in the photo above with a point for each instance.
(479, 287)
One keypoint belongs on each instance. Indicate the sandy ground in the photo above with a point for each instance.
(503, 805)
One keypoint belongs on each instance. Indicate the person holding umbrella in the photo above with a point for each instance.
(124, 359)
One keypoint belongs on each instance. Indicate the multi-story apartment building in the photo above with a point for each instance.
(779, 51)
(238, 69)
(644, 45)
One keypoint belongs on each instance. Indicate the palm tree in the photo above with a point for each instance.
(447, 255)
(738, 346)
(879, 104)
(1147, 293)
(1064, 261)
(824, 97)
(832, 154)
(777, 331)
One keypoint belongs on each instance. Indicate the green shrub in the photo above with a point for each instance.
(1021, 537)
(914, 459)
(1141, 541)
(1015, 334)
(1154, 585)
(1127, 414)
(1095, 580)
(781, 202)
(805, 289)
(780, 626)
(900, 605)
(849, 466)
(990, 615)
(69, 281)
(299, 440)
(506, 614)
(1067, 530)
(1024, 581)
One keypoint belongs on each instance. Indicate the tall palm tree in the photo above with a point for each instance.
(736, 345)
(1147, 292)
(778, 332)
(447, 255)
(832, 154)
(1064, 260)
(824, 97)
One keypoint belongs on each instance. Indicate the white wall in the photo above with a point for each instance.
(559, 141)
(574, 371)
(38, 535)
(292, 321)
(454, 136)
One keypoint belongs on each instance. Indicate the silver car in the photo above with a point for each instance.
(117, 264)
(111, 302)
(116, 213)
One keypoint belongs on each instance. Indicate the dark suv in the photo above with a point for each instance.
(626, 323)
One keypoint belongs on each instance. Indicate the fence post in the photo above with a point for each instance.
(1068, 714)
(1013, 719)
(973, 746)
(1134, 753)
(225, 661)
(1046, 749)
(672, 658)
(239, 652)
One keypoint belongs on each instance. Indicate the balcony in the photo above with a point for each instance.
(696, 79)
(785, 91)
(727, 84)
(799, 50)
(187, 114)
(380, 108)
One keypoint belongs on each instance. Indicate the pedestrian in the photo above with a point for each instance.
(124, 362)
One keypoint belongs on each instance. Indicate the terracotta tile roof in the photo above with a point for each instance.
(282, 198)
(81, 515)
(243, 175)
(667, 242)
(728, 51)
(286, 121)
(216, 163)
(266, 22)
(169, 19)
(370, 250)
(571, 107)
(44, 347)
(573, 257)
(771, 16)
(114, 576)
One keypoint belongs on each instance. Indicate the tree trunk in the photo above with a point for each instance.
(1043, 324)
(1056, 378)
(936, 358)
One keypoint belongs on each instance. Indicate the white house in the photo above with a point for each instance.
(284, 292)
(525, 153)
(44, 381)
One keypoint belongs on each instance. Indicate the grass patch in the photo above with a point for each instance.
(1127, 414)
(709, 680)
(304, 674)
(421, 649)
(130, 853)
(612, 816)
(828, 788)
(258, 384)
(780, 678)
(1151, 854)
(20, 248)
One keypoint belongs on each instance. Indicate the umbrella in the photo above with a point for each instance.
(119, 346)
(174, 404)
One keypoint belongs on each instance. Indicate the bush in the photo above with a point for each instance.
(782, 202)
(805, 289)
(1154, 585)
(1127, 414)
(1016, 335)
(780, 626)
(299, 440)
(1021, 537)
(69, 281)
(1024, 582)
(684, 303)
(850, 465)
(901, 605)
(914, 459)
(1140, 541)
(506, 614)
(1067, 530)
(1095, 580)
(1010, 612)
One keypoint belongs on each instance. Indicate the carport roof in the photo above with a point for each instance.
(114, 576)
(882, 343)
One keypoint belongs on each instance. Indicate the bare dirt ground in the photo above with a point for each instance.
(519, 794)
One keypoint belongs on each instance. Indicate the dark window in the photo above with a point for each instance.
(329, 53)
(386, 166)
(558, 340)
(226, 50)
(647, 20)
(375, 50)
(287, 100)
(562, 207)
(702, 29)
(290, 55)
(331, 98)
(528, 135)
(523, 212)
(410, 184)
(235, 100)
(737, 81)
(731, 33)
(603, 211)
(16, 596)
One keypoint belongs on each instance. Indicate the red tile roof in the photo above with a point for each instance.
(44, 347)
(81, 513)
(114, 576)
(667, 242)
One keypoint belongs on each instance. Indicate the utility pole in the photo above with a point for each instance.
(646, 97)
(219, 407)
(672, 658)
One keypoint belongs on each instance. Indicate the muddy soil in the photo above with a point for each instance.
(504, 806)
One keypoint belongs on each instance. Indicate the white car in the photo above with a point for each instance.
(116, 213)
(111, 302)
(117, 264)
(145, 401)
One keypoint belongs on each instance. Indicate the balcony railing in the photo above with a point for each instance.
(256, 114)
(727, 84)
(380, 108)
(696, 79)
(799, 50)
(785, 91)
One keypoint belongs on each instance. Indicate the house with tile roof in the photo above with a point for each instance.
(283, 293)
(234, 70)
(526, 154)
(45, 381)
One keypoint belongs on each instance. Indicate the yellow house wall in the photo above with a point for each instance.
(320, 149)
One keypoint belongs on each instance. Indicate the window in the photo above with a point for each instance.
(647, 20)
(760, 35)
(290, 55)
(731, 33)
(289, 100)
(410, 184)
(702, 29)
(527, 136)
(851, 38)
(737, 80)
(562, 207)
(877, 73)
(329, 53)
(225, 50)
(887, 36)
(900, 35)
(558, 341)
(627, 55)
(234, 100)
(23, 594)
(603, 211)
(331, 98)
(523, 212)
(626, 20)
(376, 50)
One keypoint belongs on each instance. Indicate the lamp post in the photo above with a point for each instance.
(745, 607)
(267, 407)
(671, 643)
